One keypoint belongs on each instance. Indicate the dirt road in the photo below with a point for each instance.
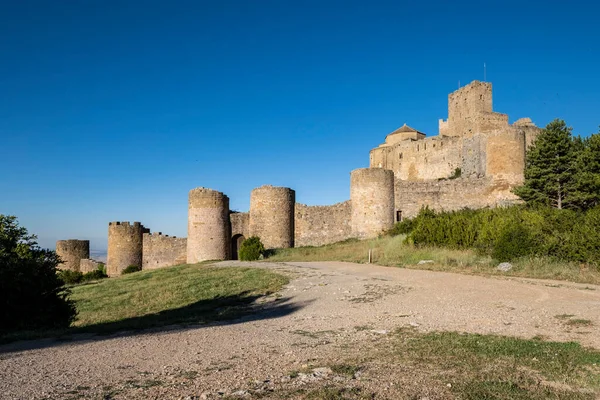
(327, 311)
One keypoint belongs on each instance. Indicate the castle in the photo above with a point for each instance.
(474, 162)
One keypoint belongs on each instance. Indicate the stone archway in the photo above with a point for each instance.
(236, 242)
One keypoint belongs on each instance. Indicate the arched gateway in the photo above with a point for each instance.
(236, 242)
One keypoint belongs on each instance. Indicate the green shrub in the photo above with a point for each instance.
(94, 275)
(70, 277)
(403, 227)
(102, 267)
(251, 249)
(32, 295)
(131, 269)
(515, 241)
(509, 233)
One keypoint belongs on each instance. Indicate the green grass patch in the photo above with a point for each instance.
(182, 294)
(496, 367)
(579, 322)
(185, 294)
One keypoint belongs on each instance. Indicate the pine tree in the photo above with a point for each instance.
(586, 185)
(550, 168)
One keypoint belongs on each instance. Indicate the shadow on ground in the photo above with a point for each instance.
(214, 312)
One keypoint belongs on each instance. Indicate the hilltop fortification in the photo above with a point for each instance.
(474, 161)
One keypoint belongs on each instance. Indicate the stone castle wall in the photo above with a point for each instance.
(505, 155)
(71, 252)
(125, 246)
(208, 226)
(450, 195)
(372, 197)
(272, 216)
(240, 224)
(163, 251)
(431, 158)
(88, 265)
(319, 225)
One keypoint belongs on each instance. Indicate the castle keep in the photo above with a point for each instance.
(474, 162)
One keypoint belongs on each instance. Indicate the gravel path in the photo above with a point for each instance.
(327, 312)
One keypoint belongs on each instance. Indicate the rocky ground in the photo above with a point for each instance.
(330, 313)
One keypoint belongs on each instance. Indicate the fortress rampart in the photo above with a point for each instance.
(319, 225)
(372, 197)
(208, 226)
(125, 246)
(163, 250)
(272, 216)
(89, 265)
(474, 162)
(71, 252)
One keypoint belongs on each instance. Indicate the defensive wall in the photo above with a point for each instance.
(272, 216)
(474, 162)
(71, 252)
(125, 246)
(163, 250)
(319, 225)
(209, 228)
(89, 265)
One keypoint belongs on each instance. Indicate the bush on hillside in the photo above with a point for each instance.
(32, 296)
(70, 277)
(251, 249)
(509, 233)
(131, 269)
(513, 242)
(74, 277)
(102, 268)
(94, 275)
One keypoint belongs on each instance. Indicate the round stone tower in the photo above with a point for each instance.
(125, 246)
(71, 252)
(208, 226)
(372, 197)
(272, 216)
(505, 156)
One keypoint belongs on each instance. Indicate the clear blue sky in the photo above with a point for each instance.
(114, 110)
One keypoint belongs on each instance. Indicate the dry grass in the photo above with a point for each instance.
(392, 251)
(409, 364)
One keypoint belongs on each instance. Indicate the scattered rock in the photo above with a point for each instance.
(425, 262)
(322, 371)
(380, 331)
(504, 267)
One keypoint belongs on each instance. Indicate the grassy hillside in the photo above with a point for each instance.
(392, 251)
(185, 294)
(182, 294)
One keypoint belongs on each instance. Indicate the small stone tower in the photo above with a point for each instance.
(71, 252)
(372, 197)
(272, 216)
(125, 245)
(208, 226)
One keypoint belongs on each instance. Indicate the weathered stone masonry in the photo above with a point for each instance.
(163, 250)
(209, 229)
(319, 225)
(71, 252)
(125, 246)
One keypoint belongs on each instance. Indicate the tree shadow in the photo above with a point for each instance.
(225, 310)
